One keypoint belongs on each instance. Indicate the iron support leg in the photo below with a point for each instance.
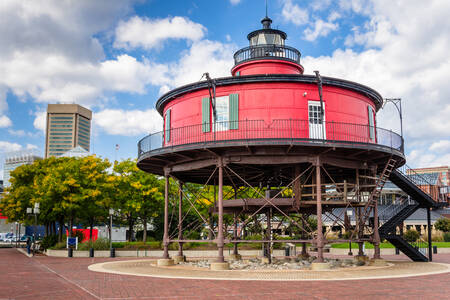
(166, 217)
(220, 239)
(430, 253)
(180, 217)
(235, 251)
(319, 213)
(376, 234)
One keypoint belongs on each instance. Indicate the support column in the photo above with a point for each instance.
(220, 238)
(220, 263)
(166, 217)
(319, 240)
(376, 234)
(269, 234)
(166, 260)
(430, 253)
(180, 217)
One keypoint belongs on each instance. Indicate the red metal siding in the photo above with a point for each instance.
(271, 102)
(267, 67)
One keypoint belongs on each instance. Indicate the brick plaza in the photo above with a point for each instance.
(44, 277)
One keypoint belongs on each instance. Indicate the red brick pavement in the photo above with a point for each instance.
(68, 278)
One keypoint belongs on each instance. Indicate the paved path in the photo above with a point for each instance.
(63, 278)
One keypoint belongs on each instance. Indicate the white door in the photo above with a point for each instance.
(316, 121)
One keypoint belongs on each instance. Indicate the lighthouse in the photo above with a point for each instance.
(276, 144)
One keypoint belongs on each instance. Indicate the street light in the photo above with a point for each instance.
(398, 105)
(34, 211)
(112, 252)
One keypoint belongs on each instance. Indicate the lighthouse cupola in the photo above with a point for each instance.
(267, 53)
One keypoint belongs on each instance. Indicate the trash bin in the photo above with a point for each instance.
(434, 249)
(113, 252)
(397, 251)
(287, 251)
(70, 252)
(91, 252)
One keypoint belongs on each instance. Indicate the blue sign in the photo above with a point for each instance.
(72, 242)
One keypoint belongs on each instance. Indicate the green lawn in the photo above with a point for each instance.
(384, 245)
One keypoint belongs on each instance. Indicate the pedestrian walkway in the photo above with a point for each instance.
(44, 277)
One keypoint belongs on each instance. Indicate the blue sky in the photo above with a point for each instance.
(118, 57)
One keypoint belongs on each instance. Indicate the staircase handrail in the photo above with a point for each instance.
(391, 210)
(404, 171)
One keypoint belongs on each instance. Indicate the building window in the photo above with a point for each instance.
(167, 125)
(226, 113)
(371, 122)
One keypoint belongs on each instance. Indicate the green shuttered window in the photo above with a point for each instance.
(371, 123)
(206, 126)
(167, 125)
(234, 111)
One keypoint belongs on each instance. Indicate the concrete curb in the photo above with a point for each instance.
(21, 250)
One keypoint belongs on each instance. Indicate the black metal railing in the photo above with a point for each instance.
(420, 180)
(298, 131)
(267, 51)
(421, 246)
(393, 209)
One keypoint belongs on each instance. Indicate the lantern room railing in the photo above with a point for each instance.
(292, 131)
(266, 52)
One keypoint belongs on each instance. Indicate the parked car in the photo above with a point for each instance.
(24, 237)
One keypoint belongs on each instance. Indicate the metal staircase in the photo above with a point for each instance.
(396, 214)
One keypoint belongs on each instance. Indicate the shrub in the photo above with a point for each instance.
(59, 246)
(99, 244)
(442, 224)
(411, 236)
(447, 237)
(49, 241)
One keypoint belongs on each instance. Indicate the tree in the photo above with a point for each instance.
(442, 224)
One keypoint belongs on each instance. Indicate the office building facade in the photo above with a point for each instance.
(68, 126)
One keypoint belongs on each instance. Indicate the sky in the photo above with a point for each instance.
(117, 57)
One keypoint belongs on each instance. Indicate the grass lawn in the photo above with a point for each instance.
(384, 245)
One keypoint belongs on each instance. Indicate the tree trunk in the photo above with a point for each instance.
(130, 229)
(91, 225)
(70, 226)
(144, 236)
(46, 229)
(61, 228)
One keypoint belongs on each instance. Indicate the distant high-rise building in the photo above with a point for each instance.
(68, 126)
(16, 159)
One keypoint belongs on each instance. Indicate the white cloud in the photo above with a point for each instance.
(234, 2)
(18, 133)
(193, 64)
(320, 4)
(31, 147)
(128, 122)
(40, 121)
(293, 13)
(151, 33)
(442, 146)
(5, 121)
(8, 146)
(321, 28)
(406, 59)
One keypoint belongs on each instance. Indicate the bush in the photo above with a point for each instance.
(411, 236)
(49, 241)
(447, 237)
(442, 224)
(59, 246)
(99, 244)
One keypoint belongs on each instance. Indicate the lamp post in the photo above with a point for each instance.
(34, 211)
(112, 252)
(16, 233)
(398, 105)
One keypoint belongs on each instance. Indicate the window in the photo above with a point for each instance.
(371, 123)
(222, 118)
(167, 125)
(315, 116)
(62, 118)
(226, 113)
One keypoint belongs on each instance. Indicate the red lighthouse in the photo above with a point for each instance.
(277, 144)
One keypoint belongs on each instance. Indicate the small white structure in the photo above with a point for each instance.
(119, 234)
